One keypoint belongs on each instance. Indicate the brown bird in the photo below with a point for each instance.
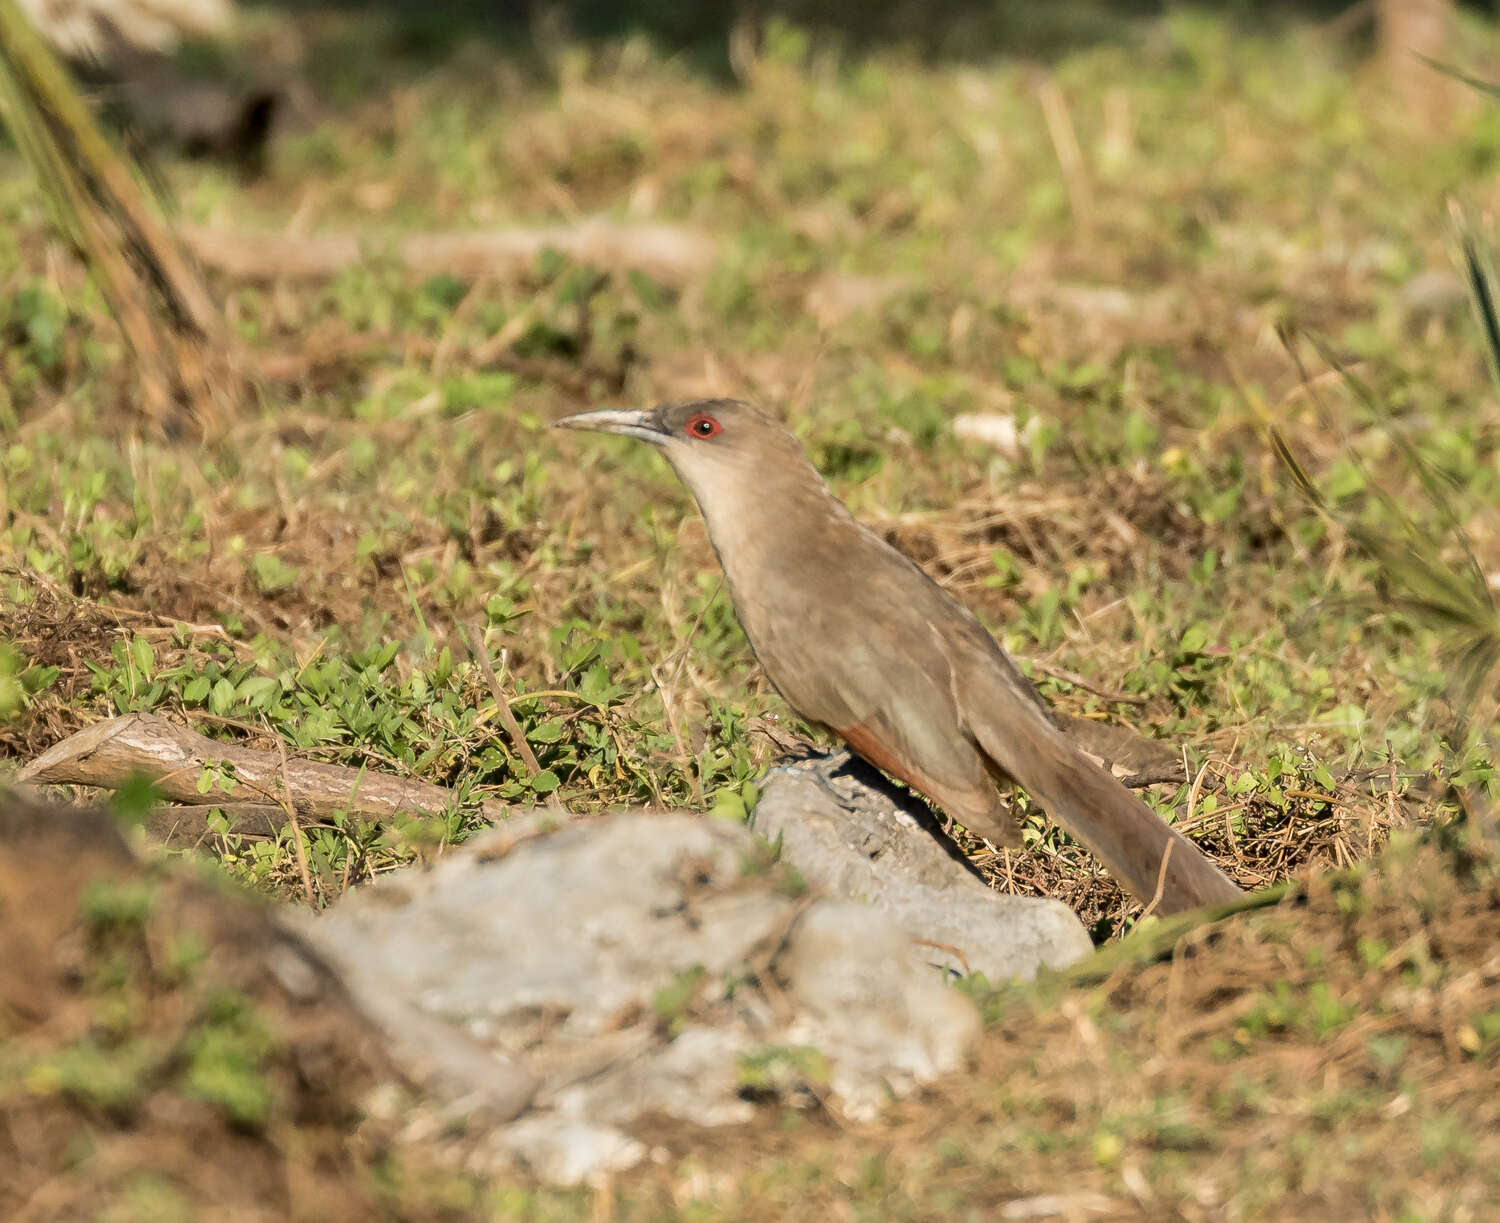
(861, 641)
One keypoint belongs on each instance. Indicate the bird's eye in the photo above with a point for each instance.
(702, 426)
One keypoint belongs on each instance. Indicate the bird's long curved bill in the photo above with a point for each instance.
(627, 423)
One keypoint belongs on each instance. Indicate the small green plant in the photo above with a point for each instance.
(1315, 1012)
(113, 1080)
(672, 1002)
(227, 1052)
(107, 905)
(781, 1070)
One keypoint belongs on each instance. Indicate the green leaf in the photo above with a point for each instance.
(546, 732)
(595, 686)
(272, 573)
(221, 698)
(730, 806)
(258, 691)
(142, 655)
(134, 798)
(39, 679)
(1139, 434)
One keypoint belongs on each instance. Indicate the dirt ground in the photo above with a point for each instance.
(162, 1061)
(1126, 256)
(167, 1052)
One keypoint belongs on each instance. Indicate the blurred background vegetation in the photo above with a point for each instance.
(1161, 334)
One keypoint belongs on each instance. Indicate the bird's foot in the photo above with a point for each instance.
(834, 762)
(826, 769)
(824, 764)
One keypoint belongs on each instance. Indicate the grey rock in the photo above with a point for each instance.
(575, 923)
(852, 835)
(891, 1036)
(838, 295)
(1096, 301)
(1434, 291)
(563, 1151)
(444, 1060)
(693, 1078)
(561, 979)
(999, 430)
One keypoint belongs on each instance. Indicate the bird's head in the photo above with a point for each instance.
(720, 448)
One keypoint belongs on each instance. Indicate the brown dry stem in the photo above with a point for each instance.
(175, 758)
(502, 708)
(668, 253)
(189, 370)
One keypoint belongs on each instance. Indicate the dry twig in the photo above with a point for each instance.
(502, 707)
(108, 752)
(291, 814)
(665, 252)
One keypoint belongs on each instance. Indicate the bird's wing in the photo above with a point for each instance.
(881, 680)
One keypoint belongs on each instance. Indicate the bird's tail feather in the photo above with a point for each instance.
(1140, 850)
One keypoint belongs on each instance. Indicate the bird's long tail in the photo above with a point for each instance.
(1140, 850)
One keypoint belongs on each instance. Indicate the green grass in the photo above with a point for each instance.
(307, 576)
(1141, 536)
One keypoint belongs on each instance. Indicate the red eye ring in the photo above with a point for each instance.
(702, 426)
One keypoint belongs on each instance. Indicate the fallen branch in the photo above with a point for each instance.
(175, 758)
(665, 252)
(187, 824)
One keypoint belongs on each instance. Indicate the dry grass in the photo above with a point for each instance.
(1331, 1058)
(299, 579)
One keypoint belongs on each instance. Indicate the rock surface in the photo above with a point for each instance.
(94, 28)
(1434, 292)
(645, 963)
(855, 836)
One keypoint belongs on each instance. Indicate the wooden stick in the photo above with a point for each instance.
(291, 815)
(667, 253)
(1161, 884)
(108, 752)
(1069, 156)
(1072, 677)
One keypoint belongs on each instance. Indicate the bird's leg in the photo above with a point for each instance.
(826, 769)
(825, 764)
(835, 762)
(823, 768)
